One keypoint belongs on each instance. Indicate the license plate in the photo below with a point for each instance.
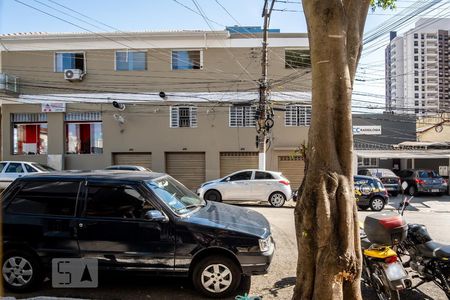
(435, 190)
(395, 271)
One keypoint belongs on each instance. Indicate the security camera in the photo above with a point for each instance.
(120, 119)
(119, 106)
(162, 95)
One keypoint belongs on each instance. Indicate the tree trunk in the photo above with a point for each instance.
(329, 252)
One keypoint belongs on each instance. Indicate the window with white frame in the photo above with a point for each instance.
(131, 60)
(30, 134)
(183, 116)
(187, 59)
(297, 115)
(297, 58)
(242, 116)
(84, 133)
(367, 162)
(69, 60)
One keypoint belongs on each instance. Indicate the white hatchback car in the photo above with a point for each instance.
(10, 170)
(248, 185)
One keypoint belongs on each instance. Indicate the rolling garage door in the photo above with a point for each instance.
(188, 168)
(235, 161)
(135, 159)
(293, 168)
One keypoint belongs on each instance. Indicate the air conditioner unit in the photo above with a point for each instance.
(73, 74)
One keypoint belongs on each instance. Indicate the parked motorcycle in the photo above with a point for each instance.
(430, 260)
(382, 269)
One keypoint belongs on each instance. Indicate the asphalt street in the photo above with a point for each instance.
(434, 212)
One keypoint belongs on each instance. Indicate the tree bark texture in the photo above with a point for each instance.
(327, 227)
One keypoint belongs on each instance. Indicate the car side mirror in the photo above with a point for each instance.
(227, 179)
(156, 216)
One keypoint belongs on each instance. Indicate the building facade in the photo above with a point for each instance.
(417, 69)
(178, 102)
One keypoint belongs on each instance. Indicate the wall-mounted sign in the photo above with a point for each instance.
(367, 130)
(48, 107)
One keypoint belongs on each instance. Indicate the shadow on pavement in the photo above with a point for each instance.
(369, 294)
(279, 285)
(116, 285)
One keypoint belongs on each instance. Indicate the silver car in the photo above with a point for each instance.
(10, 170)
(127, 168)
(248, 185)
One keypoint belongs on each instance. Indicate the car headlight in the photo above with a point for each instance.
(264, 244)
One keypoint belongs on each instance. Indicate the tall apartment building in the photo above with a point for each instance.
(417, 69)
(186, 100)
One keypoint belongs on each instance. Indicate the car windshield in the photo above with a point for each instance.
(179, 198)
(382, 173)
(43, 168)
(428, 174)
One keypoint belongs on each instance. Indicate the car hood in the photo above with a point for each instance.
(233, 218)
(211, 181)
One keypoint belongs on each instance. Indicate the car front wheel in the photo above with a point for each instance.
(216, 276)
(277, 199)
(213, 195)
(377, 204)
(21, 271)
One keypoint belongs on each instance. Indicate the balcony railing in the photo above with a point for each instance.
(9, 83)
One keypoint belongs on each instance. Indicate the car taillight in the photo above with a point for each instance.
(420, 181)
(285, 182)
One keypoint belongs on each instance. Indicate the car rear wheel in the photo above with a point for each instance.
(216, 276)
(377, 204)
(277, 199)
(213, 195)
(21, 271)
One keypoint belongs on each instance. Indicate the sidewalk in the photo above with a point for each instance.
(423, 203)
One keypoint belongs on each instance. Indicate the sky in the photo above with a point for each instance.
(160, 15)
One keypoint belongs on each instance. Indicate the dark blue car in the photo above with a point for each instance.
(370, 192)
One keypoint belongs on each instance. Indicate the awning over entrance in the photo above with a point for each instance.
(405, 154)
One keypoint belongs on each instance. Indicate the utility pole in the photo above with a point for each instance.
(262, 126)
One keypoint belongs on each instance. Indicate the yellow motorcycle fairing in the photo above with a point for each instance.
(380, 252)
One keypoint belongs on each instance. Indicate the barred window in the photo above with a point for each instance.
(183, 116)
(297, 115)
(242, 116)
(295, 58)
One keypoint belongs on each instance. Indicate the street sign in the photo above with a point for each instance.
(367, 130)
(48, 107)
